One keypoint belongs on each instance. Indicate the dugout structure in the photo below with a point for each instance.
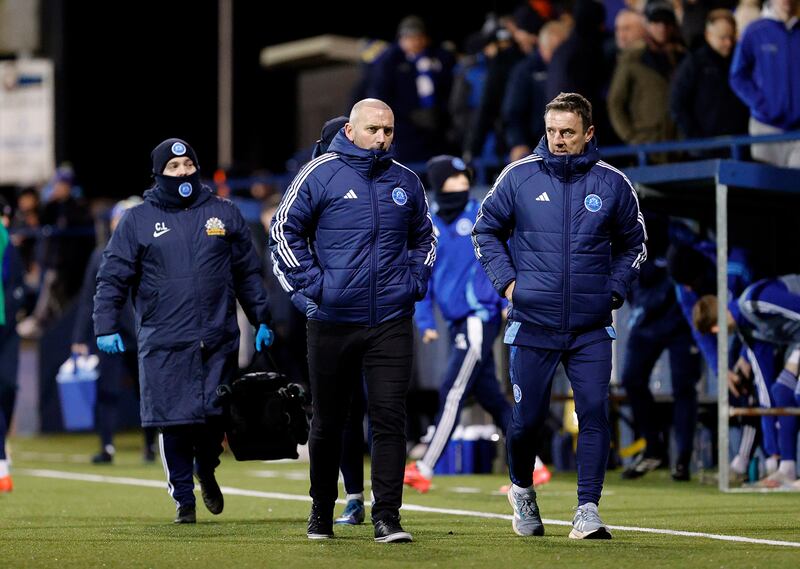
(753, 205)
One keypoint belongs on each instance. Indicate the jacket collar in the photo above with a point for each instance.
(568, 166)
(369, 163)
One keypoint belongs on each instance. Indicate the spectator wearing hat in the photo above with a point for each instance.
(702, 102)
(415, 78)
(638, 98)
(114, 369)
(11, 293)
(185, 256)
(766, 77)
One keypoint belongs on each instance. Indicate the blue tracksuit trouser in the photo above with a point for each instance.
(588, 368)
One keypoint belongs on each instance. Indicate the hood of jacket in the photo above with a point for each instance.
(369, 163)
(568, 166)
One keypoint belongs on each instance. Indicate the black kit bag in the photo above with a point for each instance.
(265, 416)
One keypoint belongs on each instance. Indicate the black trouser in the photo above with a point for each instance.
(337, 354)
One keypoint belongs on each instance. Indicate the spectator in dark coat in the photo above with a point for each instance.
(702, 101)
(415, 78)
(580, 65)
(525, 99)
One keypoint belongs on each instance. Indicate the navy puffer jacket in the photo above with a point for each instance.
(185, 269)
(353, 235)
(568, 229)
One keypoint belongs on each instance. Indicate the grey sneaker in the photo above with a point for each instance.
(527, 520)
(587, 524)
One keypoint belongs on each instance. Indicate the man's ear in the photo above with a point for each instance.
(349, 131)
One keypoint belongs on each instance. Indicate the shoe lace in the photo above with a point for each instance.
(527, 507)
(587, 516)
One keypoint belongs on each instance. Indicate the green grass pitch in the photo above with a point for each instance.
(59, 522)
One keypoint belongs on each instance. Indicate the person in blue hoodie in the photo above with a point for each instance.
(767, 314)
(560, 235)
(470, 306)
(185, 256)
(353, 235)
(765, 78)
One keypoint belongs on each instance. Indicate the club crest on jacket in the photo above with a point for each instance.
(214, 226)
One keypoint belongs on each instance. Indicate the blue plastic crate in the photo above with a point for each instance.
(77, 391)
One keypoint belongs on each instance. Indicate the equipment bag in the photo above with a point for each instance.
(265, 416)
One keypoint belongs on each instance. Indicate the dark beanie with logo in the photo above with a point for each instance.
(169, 149)
(175, 191)
(441, 167)
(449, 205)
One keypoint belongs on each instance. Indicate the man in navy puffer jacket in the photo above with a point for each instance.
(185, 256)
(561, 236)
(354, 236)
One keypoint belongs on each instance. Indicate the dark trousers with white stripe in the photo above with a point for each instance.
(190, 449)
(470, 371)
(643, 350)
(337, 356)
(532, 370)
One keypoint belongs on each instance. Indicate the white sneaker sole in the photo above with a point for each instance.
(319, 536)
(599, 533)
(399, 537)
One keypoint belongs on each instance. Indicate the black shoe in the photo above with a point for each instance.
(641, 466)
(186, 515)
(320, 522)
(212, 495)
(103, 457)
(681, 472)
(389, 530)
(148, 456)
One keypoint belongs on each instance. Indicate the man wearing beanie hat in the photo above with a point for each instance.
(472, 309)
(353, 235)
(185, 256)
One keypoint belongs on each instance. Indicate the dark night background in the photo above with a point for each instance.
(132, 74)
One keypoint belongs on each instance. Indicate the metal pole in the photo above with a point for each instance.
(225, 85)
(722, 336)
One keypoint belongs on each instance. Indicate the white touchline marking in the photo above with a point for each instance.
(41, 473)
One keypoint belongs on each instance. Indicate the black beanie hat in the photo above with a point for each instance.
(169, 149)
(442, 167)
(329, 130)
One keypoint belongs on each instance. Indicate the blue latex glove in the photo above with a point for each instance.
(111, 344)
(264, 337)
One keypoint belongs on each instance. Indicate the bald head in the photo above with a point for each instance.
(629, 29)
(371, 125)
(551, 36)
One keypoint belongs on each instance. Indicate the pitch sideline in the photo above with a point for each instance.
(127, 481)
